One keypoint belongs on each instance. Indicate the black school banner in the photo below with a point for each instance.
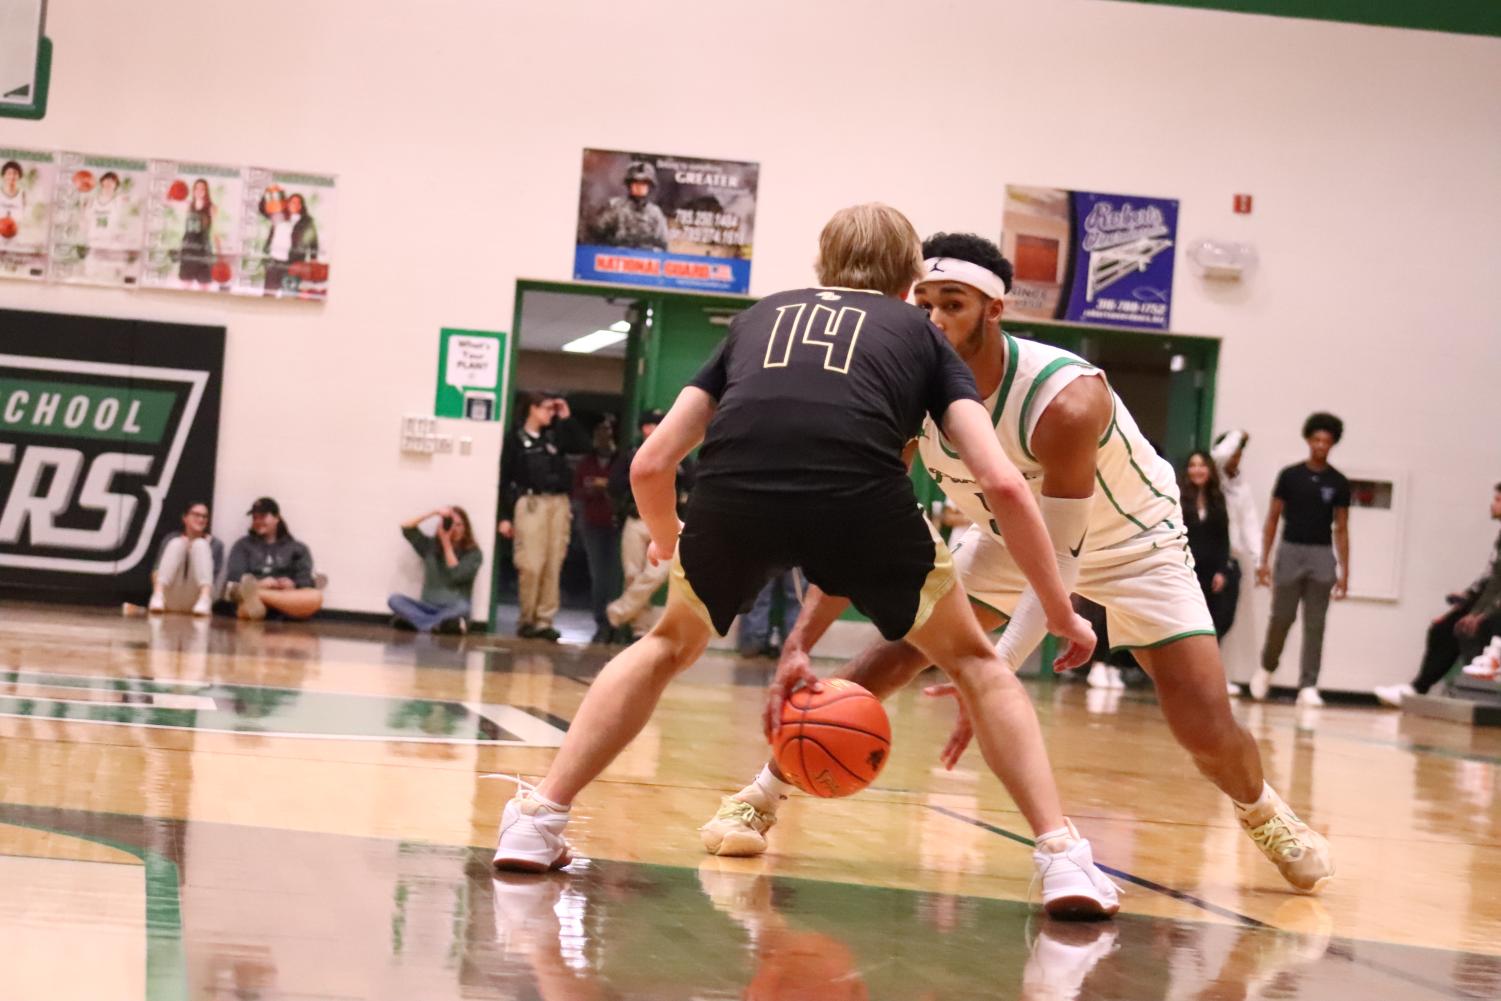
(108, 431)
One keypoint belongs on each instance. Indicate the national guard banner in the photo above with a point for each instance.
(672, 222)
(1085, 257)
(108, 431)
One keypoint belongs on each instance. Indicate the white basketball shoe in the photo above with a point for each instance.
(1073, 887)
(531, 835)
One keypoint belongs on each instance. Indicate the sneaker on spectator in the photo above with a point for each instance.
(1309, 698)
(1261, 685)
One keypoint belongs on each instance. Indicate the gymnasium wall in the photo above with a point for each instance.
(455, 128)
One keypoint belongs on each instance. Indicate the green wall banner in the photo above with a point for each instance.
(473, 367)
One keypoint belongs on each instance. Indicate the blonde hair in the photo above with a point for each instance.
(870, 246)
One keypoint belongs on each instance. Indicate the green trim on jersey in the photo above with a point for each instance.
(1161, 643)
(1012, 352)
(1013, 358)
(1131, 458)
(1101, 481)
(1037, 383)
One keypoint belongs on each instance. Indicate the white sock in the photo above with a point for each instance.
(554, 807)
(1062, 834)
(1263, 800)
(768, 788)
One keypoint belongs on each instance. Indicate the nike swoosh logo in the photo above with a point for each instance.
(1074, 550)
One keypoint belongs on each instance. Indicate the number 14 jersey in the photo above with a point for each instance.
(818, 392)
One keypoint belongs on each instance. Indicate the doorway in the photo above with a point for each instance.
(612, 352)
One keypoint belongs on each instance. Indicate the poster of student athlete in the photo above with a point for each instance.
(193, 223)
(286, 241)
(26, 180)
(675, 222)
(108, 431)
(98, 219)
(1091, 258)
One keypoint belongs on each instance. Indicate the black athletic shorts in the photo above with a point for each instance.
(880, 553)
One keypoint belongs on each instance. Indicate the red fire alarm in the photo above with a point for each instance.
(1243, 204)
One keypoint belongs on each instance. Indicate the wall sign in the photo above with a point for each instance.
(1085, 257)
(673, 222)
(472, 368)
(108, 431)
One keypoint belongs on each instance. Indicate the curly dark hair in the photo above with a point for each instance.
(1323, 421)
(972, 248)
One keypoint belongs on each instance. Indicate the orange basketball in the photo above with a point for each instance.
(220, 272)
(7, 227)
(83, 180)
(833, 742)
(178, 192)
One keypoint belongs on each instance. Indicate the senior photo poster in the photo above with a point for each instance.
(99, 219)
(288, 224)
(193, 226)
(26, 187)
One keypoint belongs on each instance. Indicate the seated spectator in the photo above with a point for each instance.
(269, 571)
(450, 562)
(1461, 633)
(189, 567)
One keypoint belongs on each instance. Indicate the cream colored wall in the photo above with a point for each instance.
(1374, 156)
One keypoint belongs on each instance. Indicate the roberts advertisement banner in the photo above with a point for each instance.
(672, 222)
(1085, 257)
(108, 431)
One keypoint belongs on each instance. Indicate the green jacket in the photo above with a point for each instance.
(442, 584)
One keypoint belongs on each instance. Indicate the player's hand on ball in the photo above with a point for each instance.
(794, 671)
(963, 729)
(1078, 642)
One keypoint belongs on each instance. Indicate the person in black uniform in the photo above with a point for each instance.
(804, 412)
(535, 482)
(1207, 518)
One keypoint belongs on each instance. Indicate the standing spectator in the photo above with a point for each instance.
(1474, 616)
(270, 571)
(591, 491)
(642, 580)
(1245, 525)
(189, 567)
(450, 561)
(534, 484)
(1316, 499)
(1207, 517)
(755, 636)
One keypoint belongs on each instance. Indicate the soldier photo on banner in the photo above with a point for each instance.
(98, 220)
(193, 221)
(286, 238)
(676, 222)
(26, 187)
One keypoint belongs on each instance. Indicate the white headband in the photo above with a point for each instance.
(952, 269)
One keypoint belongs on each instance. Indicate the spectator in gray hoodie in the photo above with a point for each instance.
(270, 572)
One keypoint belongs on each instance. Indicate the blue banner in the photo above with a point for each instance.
(596, 263)
(1086, 257)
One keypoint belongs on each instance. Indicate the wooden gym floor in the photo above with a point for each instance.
(206, 810)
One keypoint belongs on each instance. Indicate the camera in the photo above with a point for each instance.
(447, 524)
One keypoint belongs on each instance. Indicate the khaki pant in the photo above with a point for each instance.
(542, 527)
(642, 580)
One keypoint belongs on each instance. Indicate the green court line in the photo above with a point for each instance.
(166, 961)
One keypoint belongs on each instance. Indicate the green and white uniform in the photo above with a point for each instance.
(1135, 561)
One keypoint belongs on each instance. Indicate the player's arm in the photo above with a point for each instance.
(968, 426)
(1066, 444)
(1342, 551)
(654, 470)
(1268, 539)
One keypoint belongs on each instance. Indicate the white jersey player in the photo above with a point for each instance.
(1111, 508)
